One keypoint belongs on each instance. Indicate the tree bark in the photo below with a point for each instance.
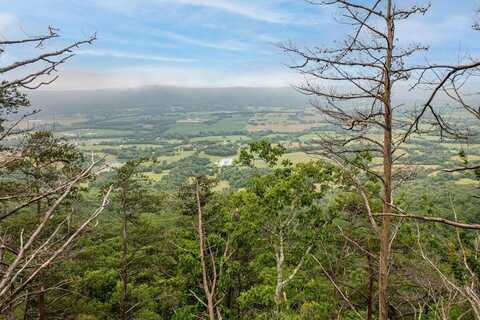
(206, 286)
(39, 202)
(10, 313)
(387, 172)
(41, 305)
(124, 303)
(280, 259)
(211, 307)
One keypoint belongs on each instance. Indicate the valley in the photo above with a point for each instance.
(197, 141)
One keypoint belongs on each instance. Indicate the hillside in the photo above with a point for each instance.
(157, 98)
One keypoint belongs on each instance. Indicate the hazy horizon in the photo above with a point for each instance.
(204, 43)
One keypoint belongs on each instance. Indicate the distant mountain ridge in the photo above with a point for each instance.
(162, 99)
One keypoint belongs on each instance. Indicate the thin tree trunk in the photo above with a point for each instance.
(41, 305)
(387, 174)
(206, 285)
(39, 202)
(30, 310)
(37, 175)
(279, 289)
(371, 280)
(124, 303)
(10, 314)
(211, 307)
(25, 310)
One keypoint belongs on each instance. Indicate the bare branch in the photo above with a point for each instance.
(431, 219)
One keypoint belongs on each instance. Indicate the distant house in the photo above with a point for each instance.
(226, 162)
(33, 124)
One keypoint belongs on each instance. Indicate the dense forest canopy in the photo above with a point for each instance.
(238, 203)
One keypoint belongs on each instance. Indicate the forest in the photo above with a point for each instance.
(355, 206)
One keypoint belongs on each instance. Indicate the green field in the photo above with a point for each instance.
(170, 139)
(214, 126)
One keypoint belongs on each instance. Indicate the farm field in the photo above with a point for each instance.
(179, 142)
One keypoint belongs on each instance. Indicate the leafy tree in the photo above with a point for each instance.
(283, 208)
(44, 163)
(132, 198)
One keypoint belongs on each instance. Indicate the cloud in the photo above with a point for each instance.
(428, 31)
(229, 45)
(130, 77)
(245, 8)
(7, 21)
(130, 55)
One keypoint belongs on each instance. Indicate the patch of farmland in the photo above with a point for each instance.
(284, 127)
(466, 182)
(229, 138)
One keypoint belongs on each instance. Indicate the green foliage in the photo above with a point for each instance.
(221, 150)
(312, 203)
(46, 158)
(263, 150)
(184, 169)
(12, 101)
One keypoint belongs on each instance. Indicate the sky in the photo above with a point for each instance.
(206, 43)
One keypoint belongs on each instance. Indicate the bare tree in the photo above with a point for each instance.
(212, 265)
(353, 85)
(28, 250)
(456, 85)
(30, 73)
(45, 64)
(33, 252)
(465, 290)
(447, 83)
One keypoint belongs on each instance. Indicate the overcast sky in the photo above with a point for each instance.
(206, 43)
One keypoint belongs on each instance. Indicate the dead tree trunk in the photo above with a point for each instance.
(208, 286)
(282, 278)
(387, 172)
(370, 63)
(41, 304)
(280, 260)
